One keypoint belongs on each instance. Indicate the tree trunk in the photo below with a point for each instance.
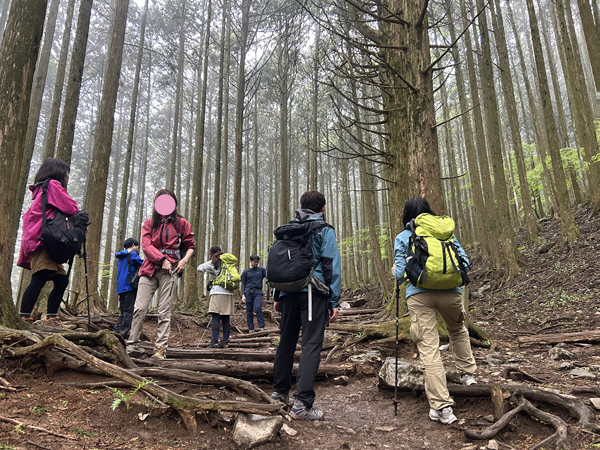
(568, 229)
(283, 63)
(192, 287)
(95, 195)
(123, 209)
(582, 109)
(474, 173)
(18, 56)
(531, 223)
(35, 106)
(178, 100)
(239, 132)
(591, 32)
(69, 115)
(61, 68)
(313, 170)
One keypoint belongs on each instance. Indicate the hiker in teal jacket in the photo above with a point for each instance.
(294, 315)
(423, 306)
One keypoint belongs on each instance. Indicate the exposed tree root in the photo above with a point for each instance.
(492, 431)
(33, 427)
(559, 438)
(187, 407)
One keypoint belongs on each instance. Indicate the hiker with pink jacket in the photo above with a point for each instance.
(33, 256)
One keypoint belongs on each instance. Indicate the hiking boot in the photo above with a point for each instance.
(283, 398)
(28, 320)
(224, 344)
(261, 329)
(444, 415)
(160, 352)
(135, 351)
(214, 344)
(252, 331)
(301, 412)
(467, 379)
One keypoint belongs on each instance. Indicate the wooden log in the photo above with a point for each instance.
(239, 369)
(357, 312)
(550, 339)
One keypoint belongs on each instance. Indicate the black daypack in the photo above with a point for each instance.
(63, 235)
(134, 280)
(291, 263)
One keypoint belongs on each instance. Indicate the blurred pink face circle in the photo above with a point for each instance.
(164, 204)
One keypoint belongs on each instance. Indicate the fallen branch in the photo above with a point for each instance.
(550, 339)
(33, 427)
(510, 369)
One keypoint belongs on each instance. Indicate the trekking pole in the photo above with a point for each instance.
(396, 380)
(205, 330)
(87, 289)
(309, 302)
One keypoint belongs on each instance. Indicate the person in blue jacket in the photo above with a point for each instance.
(294, 315)
(423, 306)
(252, 281)
(126, 270)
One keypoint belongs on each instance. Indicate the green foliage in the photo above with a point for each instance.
(122, 397)
(6, 447)
(82, 432)
(40, 409)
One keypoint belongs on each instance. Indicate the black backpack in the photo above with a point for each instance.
(63, 235)
(134, 279)
(291, 263)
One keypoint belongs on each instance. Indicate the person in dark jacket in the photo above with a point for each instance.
(128, 264)
(294, 315)
(252, 282)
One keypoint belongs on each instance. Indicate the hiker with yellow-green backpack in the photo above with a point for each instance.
(226, 280)
(431, 259)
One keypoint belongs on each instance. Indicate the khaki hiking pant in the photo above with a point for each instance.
(423, 331)
(146, 289)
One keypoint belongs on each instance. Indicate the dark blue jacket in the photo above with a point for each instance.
(122, 275)
(252, 279)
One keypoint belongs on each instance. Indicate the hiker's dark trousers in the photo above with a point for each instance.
(126, 304)
(254, 300)
(294, 317)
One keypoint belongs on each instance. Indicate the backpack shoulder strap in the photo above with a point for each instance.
(44, 200)
(318, 225)
(129, 265)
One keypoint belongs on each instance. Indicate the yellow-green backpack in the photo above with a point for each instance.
(228, 276)
(433, 261)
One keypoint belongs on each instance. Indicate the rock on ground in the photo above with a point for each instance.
(252, 430)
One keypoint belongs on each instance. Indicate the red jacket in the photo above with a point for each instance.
(164, 237)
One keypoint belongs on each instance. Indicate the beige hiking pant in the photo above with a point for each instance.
(423, 331)
(146, 289)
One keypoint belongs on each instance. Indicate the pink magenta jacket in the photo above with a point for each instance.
(32, 219)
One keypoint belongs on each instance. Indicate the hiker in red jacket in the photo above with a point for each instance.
(168, 243)
(33, 256)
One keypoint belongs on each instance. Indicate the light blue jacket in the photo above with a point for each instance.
(327, 257)
(400, 254)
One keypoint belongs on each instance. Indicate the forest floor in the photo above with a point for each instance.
(556, 291)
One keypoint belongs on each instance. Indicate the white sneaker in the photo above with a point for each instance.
(467, 379)
(444, 415)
